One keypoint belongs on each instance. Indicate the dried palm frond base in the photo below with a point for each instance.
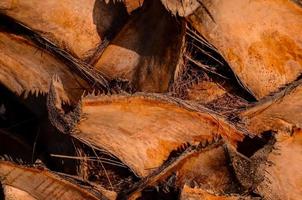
(42, 184)
(273, 172)
(249, 37)
(138, 142)
(150, 99)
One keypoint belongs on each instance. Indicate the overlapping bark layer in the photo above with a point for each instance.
(42, 184)
(264, 49)
(280, 112)
(151, 126)
(110, 144)
(78, 26)
(21, 72)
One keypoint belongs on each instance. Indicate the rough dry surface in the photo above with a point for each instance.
(283, 177)
(146, 52)
(281, 112)
(142, 130)
(42, 184)
(189, 193)
(78, 26)
(208, 170)
(263, 48)
(21, 72)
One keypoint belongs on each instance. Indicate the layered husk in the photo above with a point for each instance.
(207, 170)
(282, 173)
(146, 52)
(141, 130)
(21, 72)
(263, 48)
(174, 143)
(279, 113)
(145, 135)
(77, 26)
(274, 171)
(42, 184)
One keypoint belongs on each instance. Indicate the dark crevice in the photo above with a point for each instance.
(237, 187)
(250, 145)
(104, 168)
(2, 197)
(219, 70)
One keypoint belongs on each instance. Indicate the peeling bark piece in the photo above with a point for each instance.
(281, 112)
(146, 52)
(142, 130)
(12, 193)
(42, 184)
(181, 7)
(209, 170)
(167, 169)
(283, 177)
(24, 68)
(189, 193)
(78, 26)
(263, 48)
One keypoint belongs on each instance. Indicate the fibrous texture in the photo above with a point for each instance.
(264, 50)
(151, 99)
(78, 26)
(280, 112)
(282, 171)
(147, 128)
(42, 184)
(22, 73)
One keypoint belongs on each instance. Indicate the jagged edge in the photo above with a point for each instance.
(99, 80)
(83, 184)
(188, 105)
(273, 97)
(167, 167)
